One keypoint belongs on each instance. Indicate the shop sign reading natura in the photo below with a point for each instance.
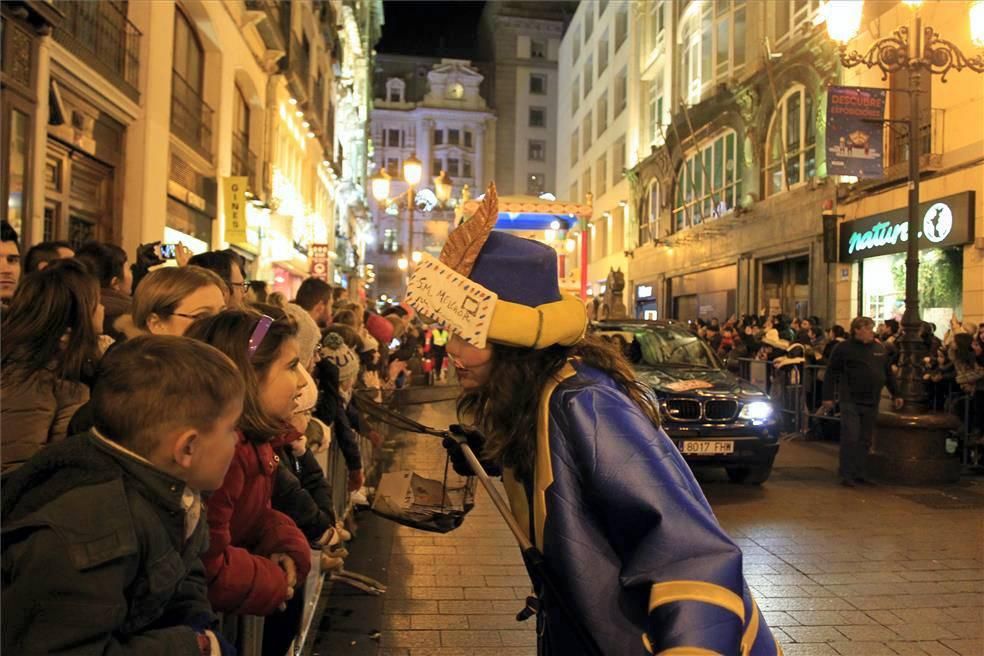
(947, 221)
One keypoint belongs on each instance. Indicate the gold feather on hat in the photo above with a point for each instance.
(465, 242)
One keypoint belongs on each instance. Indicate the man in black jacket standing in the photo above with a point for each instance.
(859, 368)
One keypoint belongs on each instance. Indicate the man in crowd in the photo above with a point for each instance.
(10, 262)
(43, 254)
(858, 369)
(316, 296)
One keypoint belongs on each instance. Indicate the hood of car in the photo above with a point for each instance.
(681, 380)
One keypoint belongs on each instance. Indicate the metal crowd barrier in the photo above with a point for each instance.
(798, 391)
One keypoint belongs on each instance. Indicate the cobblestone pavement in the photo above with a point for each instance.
(849, 572)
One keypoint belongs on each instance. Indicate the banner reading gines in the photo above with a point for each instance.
(855, 131)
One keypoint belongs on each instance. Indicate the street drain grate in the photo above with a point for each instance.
(811, 474)
(947, 500)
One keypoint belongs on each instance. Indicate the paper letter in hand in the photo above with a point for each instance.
(437, 291)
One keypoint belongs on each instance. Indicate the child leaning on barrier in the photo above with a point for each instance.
(103, 532)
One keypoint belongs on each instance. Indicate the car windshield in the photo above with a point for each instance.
(657, 346)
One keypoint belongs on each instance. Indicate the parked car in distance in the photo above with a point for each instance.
(714, 418)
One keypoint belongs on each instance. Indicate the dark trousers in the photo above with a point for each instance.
(857, 426)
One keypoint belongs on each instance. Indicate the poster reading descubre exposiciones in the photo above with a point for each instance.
(855, 131)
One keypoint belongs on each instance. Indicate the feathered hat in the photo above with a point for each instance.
(529, 310)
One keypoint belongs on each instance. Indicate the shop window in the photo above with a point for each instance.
(538, 117)
(574, 147)
(791, 157)
(535, 184)
(395, 89)
(536, 150)
(712, 44)
(538, 49)
(707, 182)
(791, 15)
(454, 137)
(602, 53)
(538, 84)
(601, 114)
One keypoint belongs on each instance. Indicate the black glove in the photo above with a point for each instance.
(476, 442)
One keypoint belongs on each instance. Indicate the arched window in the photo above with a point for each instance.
(240, 134)
(189, 56)
(395, 89)
(649, 225)
(708, 182)
(791, 153)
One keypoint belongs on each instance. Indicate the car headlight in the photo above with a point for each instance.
(756, 411)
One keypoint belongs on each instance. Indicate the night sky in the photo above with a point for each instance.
(433, 29)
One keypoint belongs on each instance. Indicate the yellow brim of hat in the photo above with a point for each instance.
(562, 322)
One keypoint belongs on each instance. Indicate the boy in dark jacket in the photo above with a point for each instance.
(103, 532)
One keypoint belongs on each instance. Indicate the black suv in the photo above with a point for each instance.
(713, 417)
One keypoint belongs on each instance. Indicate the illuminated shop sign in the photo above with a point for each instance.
(945, 221)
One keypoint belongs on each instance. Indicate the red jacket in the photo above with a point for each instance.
(244, 530)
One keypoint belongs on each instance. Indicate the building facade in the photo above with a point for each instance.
(519, 45)
(431, 109)
(141, 110)
(596, 123)
(731, 183)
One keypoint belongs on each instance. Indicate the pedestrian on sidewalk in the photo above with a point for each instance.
(859, 368)
(625, 531)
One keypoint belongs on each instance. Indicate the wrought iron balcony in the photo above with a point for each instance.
(930, 144)
(100, 34)
(191, 117)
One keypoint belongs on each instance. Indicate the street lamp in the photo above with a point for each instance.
(921, 50)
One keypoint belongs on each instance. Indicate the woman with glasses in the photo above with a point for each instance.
(169, 300)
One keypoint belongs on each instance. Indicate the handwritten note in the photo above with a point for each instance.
(687, 385)
(441, 293)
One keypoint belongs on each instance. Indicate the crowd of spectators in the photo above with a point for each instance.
(129, 390)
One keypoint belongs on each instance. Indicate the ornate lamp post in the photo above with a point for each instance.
(919, 51)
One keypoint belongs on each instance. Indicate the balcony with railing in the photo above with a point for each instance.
(191, 117)
(102, 36)
(244, 160)
(930, 145)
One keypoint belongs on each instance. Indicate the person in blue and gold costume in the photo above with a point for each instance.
(624, 528)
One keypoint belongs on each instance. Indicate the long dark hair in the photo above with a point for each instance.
(505, 408)
(230, 331)
(963, 351)
(49, 305)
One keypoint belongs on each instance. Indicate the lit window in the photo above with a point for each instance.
(657, 119)
(538, 84)
(707, 182)
(391, 242)
(538, 117)
(792, 140)
(535, 184)
(791, 15)
(712, 44)
(537, 150)
(395, 88)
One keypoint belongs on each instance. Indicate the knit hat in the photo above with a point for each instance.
(334, 350)
(529, 310)
(308, 333)
(379, 328)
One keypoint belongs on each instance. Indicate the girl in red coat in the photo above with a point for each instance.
(256, 555)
